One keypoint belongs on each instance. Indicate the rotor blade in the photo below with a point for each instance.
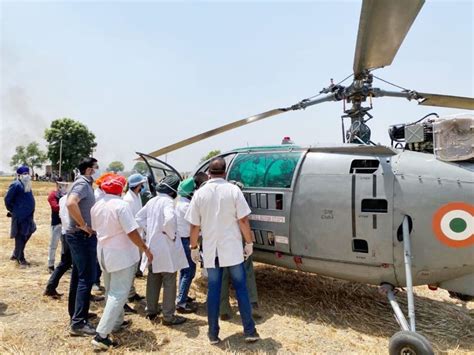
(215, 131)
(383, 26)
(461, 102)
(199, 137)
(465, 103)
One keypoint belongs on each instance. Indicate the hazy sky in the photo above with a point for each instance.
(142, 75)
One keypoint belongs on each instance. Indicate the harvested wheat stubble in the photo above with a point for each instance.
(302, 313)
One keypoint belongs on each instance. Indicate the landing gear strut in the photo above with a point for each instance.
(407, 341)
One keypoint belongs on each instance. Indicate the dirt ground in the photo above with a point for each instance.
(302, 313)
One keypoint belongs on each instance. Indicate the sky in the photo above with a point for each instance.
(143, 75)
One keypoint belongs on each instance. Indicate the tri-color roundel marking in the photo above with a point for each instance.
(453, 224)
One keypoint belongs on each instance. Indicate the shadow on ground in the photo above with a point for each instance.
(341, 304)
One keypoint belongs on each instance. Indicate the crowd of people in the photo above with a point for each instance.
(202, 220)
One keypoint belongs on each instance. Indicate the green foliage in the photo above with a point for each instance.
(140, 167)
(209, 155)
(78, 143)
(116, 166)
(31, 155)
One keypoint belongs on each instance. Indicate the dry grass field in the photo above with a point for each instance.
(302, 313)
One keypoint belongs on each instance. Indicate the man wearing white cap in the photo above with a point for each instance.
(136, 183)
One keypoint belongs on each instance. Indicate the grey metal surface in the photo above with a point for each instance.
(464, 103)
(423, 98)
(353, 272)
(414, 133)
(356, 149)
(396, 308)
(382, 28)
(326, 213)
(407, 257)
(423, 184)
(464, 285)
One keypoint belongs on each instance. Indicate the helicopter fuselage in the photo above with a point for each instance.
(338, 211)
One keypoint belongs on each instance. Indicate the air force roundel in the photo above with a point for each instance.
(453, 224)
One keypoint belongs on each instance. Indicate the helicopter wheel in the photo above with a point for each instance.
(461, 296)
(409, 343)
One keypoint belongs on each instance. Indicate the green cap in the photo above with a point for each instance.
(186, 187)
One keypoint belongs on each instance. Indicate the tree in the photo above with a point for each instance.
(140, 167)
(116, 166)
(31, 155)
(211, 154)
(77, 143)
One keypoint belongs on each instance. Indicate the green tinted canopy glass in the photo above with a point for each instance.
(265, 169)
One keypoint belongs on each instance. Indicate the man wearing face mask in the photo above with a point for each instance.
(82, 242)
(53, 200)
(20, 205)
(118, 252)
(136, 184)
(158, 219)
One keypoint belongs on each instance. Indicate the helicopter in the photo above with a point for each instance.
(390, 216)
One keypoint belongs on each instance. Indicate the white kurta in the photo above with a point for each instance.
(112, 219)
(135, 203)
(216, 207)
(183, 226)
(158, 219)
(63, 214)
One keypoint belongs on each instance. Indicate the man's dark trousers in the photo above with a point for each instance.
(63, 266)
(84, 257)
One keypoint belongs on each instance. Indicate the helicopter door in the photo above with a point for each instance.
(158, 169)
(343, 209)
(268, 177)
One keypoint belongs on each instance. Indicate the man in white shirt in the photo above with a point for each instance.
(158, 219)
(219, 209)
(118, 253)
(136, 182)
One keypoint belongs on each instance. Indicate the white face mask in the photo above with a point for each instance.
(25, 178)
(26, 181)
(96, 174)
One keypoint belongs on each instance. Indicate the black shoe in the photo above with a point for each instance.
(13, 258)
(188, 308)
(50, 269)
(213, 340)
(24, 264)
(136, 298)
(176, 320)
(103, 343)
(95, 298)
(152, 317)
(190, 299)
(53, 294)
(85, 330)
(129, 310)
(251, 338)
(139, 274)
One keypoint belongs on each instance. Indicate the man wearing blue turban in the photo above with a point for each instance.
(20, 205)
